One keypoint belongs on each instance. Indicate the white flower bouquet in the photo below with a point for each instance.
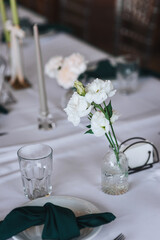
(91, 100)
(66, 70)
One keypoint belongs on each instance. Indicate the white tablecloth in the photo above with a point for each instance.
(77, 157)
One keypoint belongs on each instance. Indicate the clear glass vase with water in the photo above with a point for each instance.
(114, 173)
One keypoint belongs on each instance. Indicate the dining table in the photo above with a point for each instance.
(77, 157)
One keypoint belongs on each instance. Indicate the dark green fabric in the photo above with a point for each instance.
(25, 23)
(43, 28)
(3, 110)
(59, 222)
(95, 220)
(105, 70)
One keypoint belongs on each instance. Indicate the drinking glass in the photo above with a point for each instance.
(128, 73)
(35, 163)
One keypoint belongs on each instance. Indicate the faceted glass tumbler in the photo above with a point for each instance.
(35, 163)
(114, 174)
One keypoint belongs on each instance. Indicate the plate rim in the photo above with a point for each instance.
(90, 236)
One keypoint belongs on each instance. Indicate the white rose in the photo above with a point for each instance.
(53, 65)
(114, 117)
(108, 86)
(76, 63)
(65, 77)
(99, 124)
(77, 107)
(95, 91)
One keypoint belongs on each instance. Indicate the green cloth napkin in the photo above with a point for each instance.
(105, 70)
(45, 27)
(3, 110)
(59, 222)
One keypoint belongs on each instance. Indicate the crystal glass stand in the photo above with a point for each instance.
(45, 121)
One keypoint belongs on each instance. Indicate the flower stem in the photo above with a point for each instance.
(90, 115)
(112, 146)
(112, 140)
(115, 144)
(114, 136)
(98, 106)
(112, 128)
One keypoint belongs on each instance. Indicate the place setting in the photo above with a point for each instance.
(61, 217)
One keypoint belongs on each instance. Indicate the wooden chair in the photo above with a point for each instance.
(136, 22)
(76, 15)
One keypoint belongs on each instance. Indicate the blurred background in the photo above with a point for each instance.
(115, 26)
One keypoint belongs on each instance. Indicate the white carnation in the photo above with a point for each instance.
(77, 107)
(52, 66)
(76, 63)
(108, 86)
(66, 70)
(99, 124)
(65, 77)
(95, 91)
(114, 117)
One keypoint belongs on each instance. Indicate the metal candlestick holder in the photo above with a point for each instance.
(146, 165)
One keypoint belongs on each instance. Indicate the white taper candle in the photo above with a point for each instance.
(41, 81)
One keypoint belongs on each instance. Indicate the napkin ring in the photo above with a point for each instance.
(136, 150)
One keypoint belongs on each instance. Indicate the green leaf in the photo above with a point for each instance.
(108, 111)
(88, 126)
(89, 131)
(106, 114)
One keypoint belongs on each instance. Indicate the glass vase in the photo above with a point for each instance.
(114, 173)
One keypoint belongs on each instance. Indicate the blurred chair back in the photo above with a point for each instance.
(136, 22)
(76, 15)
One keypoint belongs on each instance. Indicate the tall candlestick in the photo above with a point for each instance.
(13, 5)
(4, 19)
(41, 83)
(45, 119)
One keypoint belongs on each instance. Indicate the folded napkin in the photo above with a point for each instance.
(105, 70)
(46, 27)
(43, 28)
(59, 222)
(3, 109)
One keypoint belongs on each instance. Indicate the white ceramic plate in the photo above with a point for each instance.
(77, 205)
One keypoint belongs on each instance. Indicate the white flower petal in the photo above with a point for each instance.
(114, 117)
(77, 107)
(99, 124)
(76, 63)
(95, 92)
(108, 86)
(53, 65)
(66, 78)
